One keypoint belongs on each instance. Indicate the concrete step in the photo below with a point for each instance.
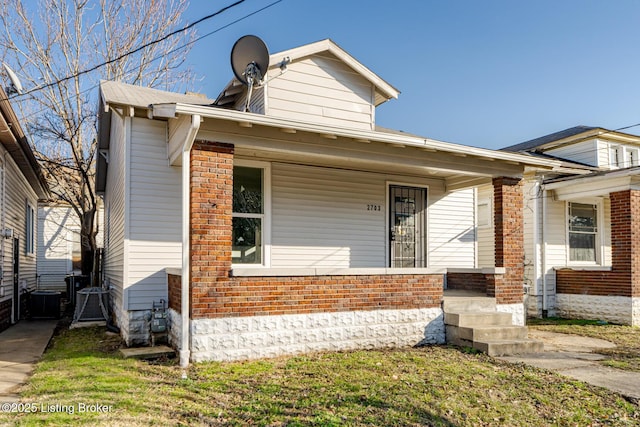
(487, 333)
(455, 304)
(509, 347)
(478, 319)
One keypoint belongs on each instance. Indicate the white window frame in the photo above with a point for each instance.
(265, 216)
(488, 202)
(30, 230)
(630, 157)
(626, 156)
(616, 156)
(599, 240)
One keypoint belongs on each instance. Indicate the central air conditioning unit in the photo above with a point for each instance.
(91, 305)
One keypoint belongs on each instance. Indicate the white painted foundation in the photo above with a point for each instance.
(516, 310)
(614, 309)
(241, 338)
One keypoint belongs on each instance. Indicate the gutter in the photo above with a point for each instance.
(185, 336)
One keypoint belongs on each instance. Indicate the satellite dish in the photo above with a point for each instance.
(16, 86)
(249, 61)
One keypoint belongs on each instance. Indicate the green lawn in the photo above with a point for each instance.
(408, 387)
(627, 339)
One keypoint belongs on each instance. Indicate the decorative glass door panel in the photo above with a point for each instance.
(407, 240)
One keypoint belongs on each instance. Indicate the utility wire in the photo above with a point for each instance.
(33, 113)
(166, 36)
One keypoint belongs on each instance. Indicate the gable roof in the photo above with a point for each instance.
(14, 140)
(384, 91)
(535, 143)
(571, 136)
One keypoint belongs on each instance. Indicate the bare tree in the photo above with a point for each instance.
(50, 43)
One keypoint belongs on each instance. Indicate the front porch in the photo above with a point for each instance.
(248, 300)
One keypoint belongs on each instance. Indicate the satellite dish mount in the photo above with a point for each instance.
(250, 61)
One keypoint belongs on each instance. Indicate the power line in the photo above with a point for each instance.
(34, 113)
(164, 53)
(131, 52)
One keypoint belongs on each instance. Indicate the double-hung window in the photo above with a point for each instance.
(250, 183)
(583, 232)
(30, 231)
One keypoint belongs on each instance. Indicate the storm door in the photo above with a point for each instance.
(408, 226)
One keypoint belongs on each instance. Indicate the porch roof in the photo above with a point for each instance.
(463, 166)
(596, 184)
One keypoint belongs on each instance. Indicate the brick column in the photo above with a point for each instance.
(625, 240)
(508, 204)
(211, 220)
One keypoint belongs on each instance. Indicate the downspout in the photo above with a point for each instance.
(185, 335)
(544, 251)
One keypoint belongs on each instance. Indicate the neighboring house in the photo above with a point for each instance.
(58, 245)
(21, 185)
(300, 225)
(59, 251)
(582, 250)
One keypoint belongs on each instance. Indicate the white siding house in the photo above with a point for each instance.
(276, 217)
(573, 226)
(21, 185)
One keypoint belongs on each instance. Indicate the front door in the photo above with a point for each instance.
(408, 225)
(16, 281)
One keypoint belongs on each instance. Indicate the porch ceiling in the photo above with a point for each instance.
(291, 146)
(269, 138)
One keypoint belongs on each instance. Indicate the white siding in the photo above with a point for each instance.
(531, 206)
(114, 213)
(321, 218)
(583, 152)
(556, 241)
(155, 238)
(452, 235)
(17, 194)
(59, 227)
(606, 232)
(603, 154)
(486, 236)
(322, 89)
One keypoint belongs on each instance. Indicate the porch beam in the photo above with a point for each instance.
(355, 153)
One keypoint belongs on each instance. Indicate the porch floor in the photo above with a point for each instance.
(463, 293)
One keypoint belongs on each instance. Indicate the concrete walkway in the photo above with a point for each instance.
(577, 357)
(21, 346)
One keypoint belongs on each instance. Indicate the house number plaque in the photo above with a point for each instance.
(374, 208)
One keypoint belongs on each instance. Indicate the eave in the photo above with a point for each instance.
(172, 111)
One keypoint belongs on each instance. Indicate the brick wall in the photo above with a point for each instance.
(175, 292)
(509, 240)
(624, 277)
(5, 314)
(475, 282)
(215, 294)
(252, 296)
